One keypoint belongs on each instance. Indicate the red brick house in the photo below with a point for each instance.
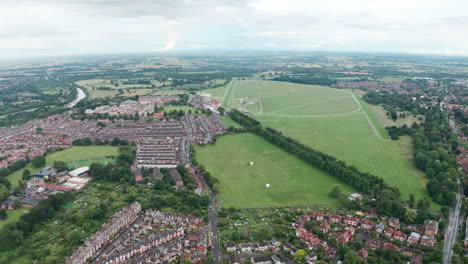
(388, 231)
(319, 216)
(350, 220)
(398, 235)
(324, 227)
(334, 218)
(431, 227)
(369, 225)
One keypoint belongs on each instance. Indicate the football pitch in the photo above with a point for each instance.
(336, 122)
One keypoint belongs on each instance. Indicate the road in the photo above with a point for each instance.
(214, 230)
(452, 229)
(212, 209)
(80, 96)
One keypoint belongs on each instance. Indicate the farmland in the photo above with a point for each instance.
(92, 87)
(76, 153)
(292, 181)
(338, 127)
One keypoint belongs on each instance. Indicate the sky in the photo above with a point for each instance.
(35, 28)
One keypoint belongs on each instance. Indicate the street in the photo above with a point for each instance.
(452, 228)
(214, 230)
(212, 209)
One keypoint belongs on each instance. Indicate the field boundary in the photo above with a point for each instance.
(220, 205)
(228, 93)
(375, 125)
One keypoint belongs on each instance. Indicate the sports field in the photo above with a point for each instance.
(292, 181)
(337, 123)
(76, 153)
(88, 162)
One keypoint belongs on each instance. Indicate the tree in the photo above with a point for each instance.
(411, 200)
(300, 255)
(394, 115)
(74, 238)
(60, 165)
(336, 191)
(216, 187)
(38, 161)
(351, 257)
(26, 174)
(221, 110)
(3, 214)
(3, 192)
(115, 142)
(235, 236)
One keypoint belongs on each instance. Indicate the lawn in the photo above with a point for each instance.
(349, 136)
(76, 153)
(13, 216)
(292, 181)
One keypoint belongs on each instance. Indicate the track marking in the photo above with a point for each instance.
(299, 106)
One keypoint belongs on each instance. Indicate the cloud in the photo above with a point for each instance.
(169, 46)
(57, 27)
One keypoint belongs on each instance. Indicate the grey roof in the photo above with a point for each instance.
(129, 102)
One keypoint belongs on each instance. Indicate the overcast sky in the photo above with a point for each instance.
(65, 27)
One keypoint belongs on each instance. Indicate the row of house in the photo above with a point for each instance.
(148, 237)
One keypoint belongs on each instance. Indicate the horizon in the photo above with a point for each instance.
(51, 28)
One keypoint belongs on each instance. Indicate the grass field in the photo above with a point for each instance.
(13, 216)
(345, 133)
(229, 122)
(89, 85)
(289, 99)
(88, 162)
(292, 181)
(381, 115)
(76, 153)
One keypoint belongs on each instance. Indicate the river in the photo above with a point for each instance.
(81, 95)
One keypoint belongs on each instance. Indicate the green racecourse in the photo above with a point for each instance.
(372, 119)
(292, 181)
(228, 92)
(69, 155)
(329, 120)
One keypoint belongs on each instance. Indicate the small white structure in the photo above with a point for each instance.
(268, 185)
(355, 197)
(251, 163)
(83, 171)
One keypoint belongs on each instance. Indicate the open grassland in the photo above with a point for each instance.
(350, 136)
(88, 162)
(228, 92)
(292, 181)
(229, 122)
(381, 115)
(76, 153)
(92, 85)
(377, 127)
(13, 216)
(290, 99)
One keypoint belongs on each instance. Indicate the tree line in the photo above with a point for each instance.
(434, 153)
(389, 202)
